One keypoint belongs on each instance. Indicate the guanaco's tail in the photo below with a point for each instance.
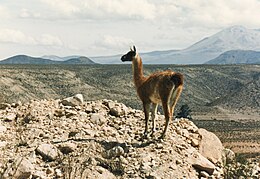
(177, 79)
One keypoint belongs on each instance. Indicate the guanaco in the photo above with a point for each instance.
(159, 88)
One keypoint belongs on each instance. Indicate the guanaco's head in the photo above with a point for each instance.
(130, 55)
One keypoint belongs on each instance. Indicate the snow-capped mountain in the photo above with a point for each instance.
(232, 38)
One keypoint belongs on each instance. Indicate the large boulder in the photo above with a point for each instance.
(210, 146)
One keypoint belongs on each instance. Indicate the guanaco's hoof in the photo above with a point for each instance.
(162, 137)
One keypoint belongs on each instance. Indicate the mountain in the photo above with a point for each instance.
(237, 57)
(232, 38)
(78, 60)
(24, 59)
(57, 58)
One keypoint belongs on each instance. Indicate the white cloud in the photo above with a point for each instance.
(15, 36)
(18, 37)
(210, 13)
(4, 13)
(25, 13)
(49, 40)
(99, 9)
(65, 7)
(134, 9)
(113, 42)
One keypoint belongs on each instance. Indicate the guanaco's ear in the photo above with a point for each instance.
(133, 49)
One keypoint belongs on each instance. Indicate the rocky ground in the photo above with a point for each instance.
(70, 138)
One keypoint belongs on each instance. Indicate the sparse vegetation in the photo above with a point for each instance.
(239, 168)
(185, 112)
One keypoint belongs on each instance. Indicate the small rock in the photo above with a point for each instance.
(58, 172)
(49, 171)
(195, 142)
(159, 146)
(21, 168)
(204, 174)
(97, 119)
(3, 144)
(229, 155)
(70, 113)
(3, 129)
(10, 117)
(39, 175)
(28, 118)
(201, 163)
(116, 111)
(59, 113)
(48, 152)
(73, 101)
(178, 161)
(4, 105)
(115, 152)
(145, 168)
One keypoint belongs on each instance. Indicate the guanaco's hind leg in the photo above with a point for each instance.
(168, 117)
(174, 98)
(154, 115)
(146, 107)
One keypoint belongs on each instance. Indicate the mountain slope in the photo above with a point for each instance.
(233, 38)
(24, 59)
(245, 96)
(237, 57)
(78, 60)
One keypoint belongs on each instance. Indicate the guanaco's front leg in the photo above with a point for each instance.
(146, 107)
(154, 115)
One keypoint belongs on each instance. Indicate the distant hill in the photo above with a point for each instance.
(232, 38)
(237, 57)
(243, 96)
(24, 59)
(78, 60)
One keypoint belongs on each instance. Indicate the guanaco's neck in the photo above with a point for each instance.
(137, 67)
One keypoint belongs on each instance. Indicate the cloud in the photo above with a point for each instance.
(64, 7)
(110, 42)
(98, 9)
(212, 13)
(124, 9)
(18, 37)
(4, 13)
(116, 41)
(49, 40)
(25, 13)
(209, 13)
(15, 36)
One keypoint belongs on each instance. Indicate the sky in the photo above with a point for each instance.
(110, 27)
